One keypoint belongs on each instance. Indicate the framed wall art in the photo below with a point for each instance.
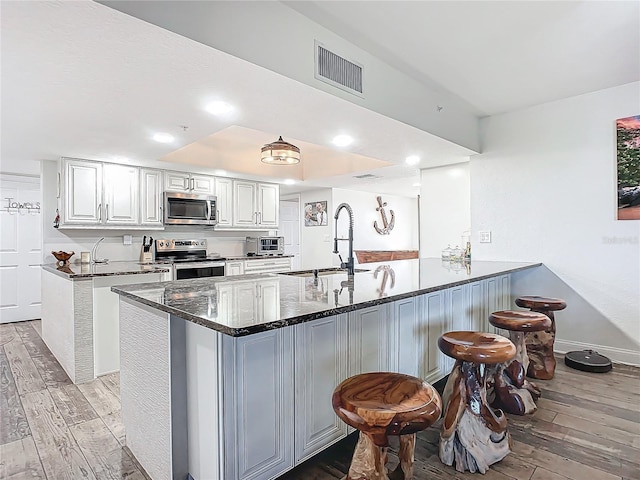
(628, 148)
(315, 214)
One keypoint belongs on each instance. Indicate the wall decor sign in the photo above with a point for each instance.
(315, 214)
(387, 225)
(14, 206)
(628, 143)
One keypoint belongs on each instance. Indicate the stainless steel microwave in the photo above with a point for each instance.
(262, 246)
(189, 209)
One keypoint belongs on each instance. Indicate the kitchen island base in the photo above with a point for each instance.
(251, 407)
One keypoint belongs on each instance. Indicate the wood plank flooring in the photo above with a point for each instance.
(587, 426)
(50, 428)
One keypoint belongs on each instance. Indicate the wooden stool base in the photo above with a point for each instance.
(542, 362)
(473, 435)
(511, 391)
(369, 460)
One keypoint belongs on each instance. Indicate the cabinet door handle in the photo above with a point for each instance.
(259, 218)
(100, 212)
(185, 183)
(58, 187)
(192, 183)
(160, 210)
(106, 217)
(217, 214)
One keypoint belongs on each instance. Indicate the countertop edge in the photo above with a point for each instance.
(285, 322)
(87, 276)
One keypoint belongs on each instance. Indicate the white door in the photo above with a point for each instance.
(20, 250)
(290, 230)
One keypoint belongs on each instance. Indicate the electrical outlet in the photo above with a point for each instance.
(127, 239)
(485, 237)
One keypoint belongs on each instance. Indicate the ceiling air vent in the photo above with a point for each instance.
(338, 71)
(366, 176)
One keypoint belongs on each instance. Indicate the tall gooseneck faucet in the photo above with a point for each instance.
(349, 265)
(94, 250)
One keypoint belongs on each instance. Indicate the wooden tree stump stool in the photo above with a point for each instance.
(382, 404)
(511, 391)
(473, 436)
(542, 363)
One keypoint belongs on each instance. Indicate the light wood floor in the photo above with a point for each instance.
(587, 426)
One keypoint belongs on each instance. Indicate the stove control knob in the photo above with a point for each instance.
(162, 244)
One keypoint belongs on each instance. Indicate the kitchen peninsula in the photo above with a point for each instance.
(80, 313)
(231, 378)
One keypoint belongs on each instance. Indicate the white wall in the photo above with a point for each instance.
(224, 243)
(445, 208)
(404, 235)
(546, 188)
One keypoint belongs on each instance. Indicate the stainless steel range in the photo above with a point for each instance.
(189, 258)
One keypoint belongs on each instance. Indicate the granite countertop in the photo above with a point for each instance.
(81, 271)
(221, 303)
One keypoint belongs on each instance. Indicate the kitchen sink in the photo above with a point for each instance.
(321, 272)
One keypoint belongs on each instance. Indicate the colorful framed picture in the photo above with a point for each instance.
(315, 214)
(628, 142)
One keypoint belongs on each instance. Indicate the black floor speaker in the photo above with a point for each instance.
(588, 361)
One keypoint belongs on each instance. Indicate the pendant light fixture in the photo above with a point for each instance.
(280, 153)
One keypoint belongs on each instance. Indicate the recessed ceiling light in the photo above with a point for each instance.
(342, 140)
(163, 137)
(220, 173)
(412, 160)
(417, 185)
(219, 108)
(289, 181)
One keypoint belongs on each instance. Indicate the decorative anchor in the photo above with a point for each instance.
(388, 226)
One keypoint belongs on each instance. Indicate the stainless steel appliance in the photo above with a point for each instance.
(189, 209)
(264, 246)
(189, 258)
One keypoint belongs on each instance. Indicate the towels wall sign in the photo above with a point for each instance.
(387, 225)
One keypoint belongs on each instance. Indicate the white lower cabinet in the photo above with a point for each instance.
(412, 335)
(267, 265)
(370, 333)
(258, 405)
(434, 363)
(321, 364)
(233, 268)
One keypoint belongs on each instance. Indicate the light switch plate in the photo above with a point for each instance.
(127, 239)
(485, 237)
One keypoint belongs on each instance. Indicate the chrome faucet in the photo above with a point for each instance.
(93, 253)
(349, 265)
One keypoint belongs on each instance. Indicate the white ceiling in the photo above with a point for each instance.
(80, 79)
(498, 56)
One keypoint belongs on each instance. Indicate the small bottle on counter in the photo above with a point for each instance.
(467, 252)
(446, 254)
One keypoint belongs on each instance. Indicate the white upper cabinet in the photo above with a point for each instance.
(244, 204)
(186, 182)
(268, 205)
(224, 201)
(151, 197)
(82, 192)
(106, 195)
(255, 205)
(121, 194)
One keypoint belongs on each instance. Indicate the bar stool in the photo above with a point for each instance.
(511, 391)
(542, 363)
(381, 404)
(473, 436)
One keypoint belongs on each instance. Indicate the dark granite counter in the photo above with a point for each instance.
(228, 304)
(84, 271)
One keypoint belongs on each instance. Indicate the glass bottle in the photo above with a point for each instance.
(456, 254)
(446, 254)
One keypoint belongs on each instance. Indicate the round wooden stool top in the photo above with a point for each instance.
(477, 347)
(385, 403)
(541, 303)
(520, 321)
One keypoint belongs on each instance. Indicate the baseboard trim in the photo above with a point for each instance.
(617, 355)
